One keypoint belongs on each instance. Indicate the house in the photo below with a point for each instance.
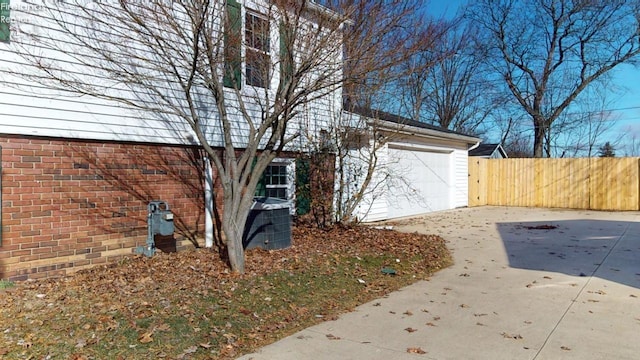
(79, 167)
(421, 168)
(489, 151)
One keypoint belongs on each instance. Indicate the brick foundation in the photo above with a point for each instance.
(67, 205)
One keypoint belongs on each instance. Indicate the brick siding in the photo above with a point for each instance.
(67, 205)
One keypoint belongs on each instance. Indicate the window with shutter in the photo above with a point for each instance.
(232, 46)
(257, 51)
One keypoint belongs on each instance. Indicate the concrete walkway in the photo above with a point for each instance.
(526, 284)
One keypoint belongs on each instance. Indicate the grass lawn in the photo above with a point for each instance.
(188, 305)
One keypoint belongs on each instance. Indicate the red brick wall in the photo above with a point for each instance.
(72, 204)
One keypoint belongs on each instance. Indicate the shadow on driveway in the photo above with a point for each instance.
(606, 249)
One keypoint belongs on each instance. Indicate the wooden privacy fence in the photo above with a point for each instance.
(585, 183)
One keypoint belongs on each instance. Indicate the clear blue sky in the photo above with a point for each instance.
(625, 100)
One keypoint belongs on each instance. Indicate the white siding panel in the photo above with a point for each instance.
(28, 107)
(374, 203)
(81, 117)
(461, 178)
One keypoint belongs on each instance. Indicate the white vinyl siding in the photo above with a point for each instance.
(373, 206)
(28, 107)
(461, 176)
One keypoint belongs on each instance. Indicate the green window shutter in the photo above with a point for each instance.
(303, 188)
(261, 189)
(5, 20)
(286, 56)
(232, 45)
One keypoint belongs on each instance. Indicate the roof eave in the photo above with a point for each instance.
(413, 130)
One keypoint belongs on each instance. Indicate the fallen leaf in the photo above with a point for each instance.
(408, 313)
(163, 327)
(146, 337)
(565, 348)
(416, 350)
(410, 330)
(509, 336)
(193, 349)
(332, 337)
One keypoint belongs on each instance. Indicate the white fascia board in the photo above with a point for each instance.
(423, 132)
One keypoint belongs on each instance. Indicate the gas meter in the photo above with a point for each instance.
(159, 222)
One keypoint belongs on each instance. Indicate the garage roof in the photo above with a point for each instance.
(408, 123)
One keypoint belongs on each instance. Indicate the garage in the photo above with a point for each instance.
(421, 169)
(426, 175)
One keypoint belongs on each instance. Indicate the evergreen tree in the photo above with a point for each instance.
(607, 150)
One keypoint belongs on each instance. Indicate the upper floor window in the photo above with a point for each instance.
(257, 51)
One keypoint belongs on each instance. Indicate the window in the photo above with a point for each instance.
(275, 180)
(257, 58)
(5, 20)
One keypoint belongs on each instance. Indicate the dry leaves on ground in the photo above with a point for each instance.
(189, 305)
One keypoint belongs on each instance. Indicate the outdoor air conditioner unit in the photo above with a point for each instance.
(268, 225)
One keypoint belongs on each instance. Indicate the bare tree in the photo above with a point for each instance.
(448, 86)
(576, 134)
(240, 80)
(631, 143)
(548, 52)
(431, 48)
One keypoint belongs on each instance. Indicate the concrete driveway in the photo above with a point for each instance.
(526, 284)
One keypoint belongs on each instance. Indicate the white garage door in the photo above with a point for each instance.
(422, 182)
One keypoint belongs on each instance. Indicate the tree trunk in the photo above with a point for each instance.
(233, 229)
(538, 138)
(234, 216)
(235, 250)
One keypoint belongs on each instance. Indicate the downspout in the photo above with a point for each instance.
(208, 203)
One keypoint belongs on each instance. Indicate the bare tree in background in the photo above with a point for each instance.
(447, 86)
(358, 137)
(576, 134)
(430, 49)
(548, 52)
(191, 65)
(631, 143)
